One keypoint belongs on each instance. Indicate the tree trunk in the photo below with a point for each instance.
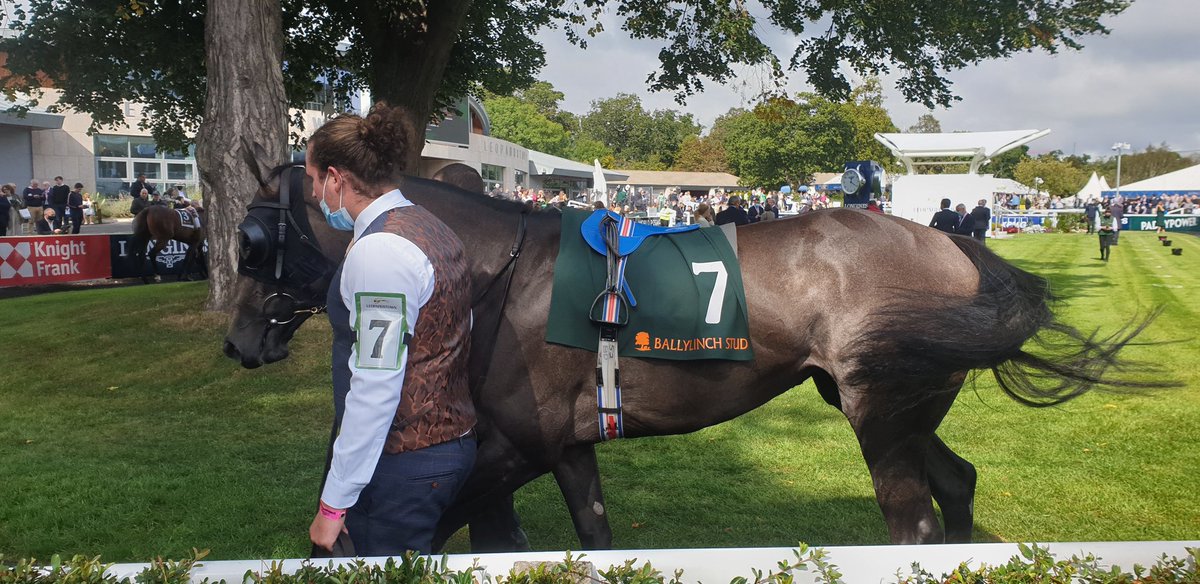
(244, 59)
(421, 57)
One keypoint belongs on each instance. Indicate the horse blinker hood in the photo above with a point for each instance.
(275, 242)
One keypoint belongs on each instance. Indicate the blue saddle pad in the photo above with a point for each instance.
(638, 232)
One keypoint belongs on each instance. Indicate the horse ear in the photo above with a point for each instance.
(256, 158)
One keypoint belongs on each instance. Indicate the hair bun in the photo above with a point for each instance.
(383, 131)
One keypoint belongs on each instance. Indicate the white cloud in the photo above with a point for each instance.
(1137, 85)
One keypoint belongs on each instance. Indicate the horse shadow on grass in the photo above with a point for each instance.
(1067, 281)
(786, 473)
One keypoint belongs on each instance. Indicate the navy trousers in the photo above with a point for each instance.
(400, 508)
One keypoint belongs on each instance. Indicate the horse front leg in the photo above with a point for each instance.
(153, 258)
(486, 499)
(952, 480)
(578, 477)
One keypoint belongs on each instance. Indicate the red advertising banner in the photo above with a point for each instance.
(50, 259)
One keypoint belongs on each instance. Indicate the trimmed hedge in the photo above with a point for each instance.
(1033, 565)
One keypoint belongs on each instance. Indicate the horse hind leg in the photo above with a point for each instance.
(894, 438)
(578, 478)
(952, 480)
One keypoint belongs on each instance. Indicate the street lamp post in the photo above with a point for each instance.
(1120, 147)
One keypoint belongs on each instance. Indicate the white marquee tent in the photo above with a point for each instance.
(1180, 182)
(1094, 187)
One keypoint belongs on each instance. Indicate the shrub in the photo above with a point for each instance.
(114, 208)
(1032, 565)
(1071, 222)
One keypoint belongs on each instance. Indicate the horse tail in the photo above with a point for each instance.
(990, 331)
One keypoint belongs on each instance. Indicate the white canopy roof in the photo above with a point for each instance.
(544, 164)
(1094, 187)
(980, 147)
(1180, 182)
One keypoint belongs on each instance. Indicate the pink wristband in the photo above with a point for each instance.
(331, 513)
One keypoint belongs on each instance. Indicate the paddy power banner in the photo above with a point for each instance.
(1149, 223)
(53, 259)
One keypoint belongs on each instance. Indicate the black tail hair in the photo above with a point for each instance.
(921, 349)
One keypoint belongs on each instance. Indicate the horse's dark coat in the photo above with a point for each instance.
(834, 295)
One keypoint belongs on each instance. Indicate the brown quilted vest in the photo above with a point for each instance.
(435, 405)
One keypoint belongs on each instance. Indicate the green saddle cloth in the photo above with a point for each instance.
(682, 311)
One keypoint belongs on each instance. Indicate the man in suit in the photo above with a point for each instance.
(734, 213)
(75, 207)
(141, 184)
(981, 215)
(965, 224)
(945, 220)
(1091, 209)
(58, 200)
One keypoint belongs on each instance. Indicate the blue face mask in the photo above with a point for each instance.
(339, 219)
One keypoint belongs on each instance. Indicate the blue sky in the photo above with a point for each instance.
(1140, 84)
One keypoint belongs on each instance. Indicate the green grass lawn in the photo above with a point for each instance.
(130, 435)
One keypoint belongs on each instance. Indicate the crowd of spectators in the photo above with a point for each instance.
(673, 206)
(43, 208)
(1141, 205)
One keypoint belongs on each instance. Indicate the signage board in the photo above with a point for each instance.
(170, 260)
(53, 259)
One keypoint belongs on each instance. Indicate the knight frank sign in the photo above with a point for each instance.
(48, 260)
(26, 261)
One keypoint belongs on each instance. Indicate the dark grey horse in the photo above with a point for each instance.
(886, 316)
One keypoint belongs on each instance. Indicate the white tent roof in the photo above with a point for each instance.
(1094, 187)
(978, 146)
(544, 164)
(1180, 182)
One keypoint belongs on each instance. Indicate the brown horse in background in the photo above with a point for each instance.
(160, 224)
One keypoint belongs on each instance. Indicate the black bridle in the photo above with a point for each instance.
(272, 257)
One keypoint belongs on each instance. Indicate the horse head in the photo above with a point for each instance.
(280, 285)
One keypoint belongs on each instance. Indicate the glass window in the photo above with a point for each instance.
(189, 154)
(112, 169)
(152, 170)
(142, 147)
(183, 171)
(111, 146)
(519, 177)
(493, 177)
(111, 188)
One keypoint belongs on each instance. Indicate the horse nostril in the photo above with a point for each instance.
(231, 350)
